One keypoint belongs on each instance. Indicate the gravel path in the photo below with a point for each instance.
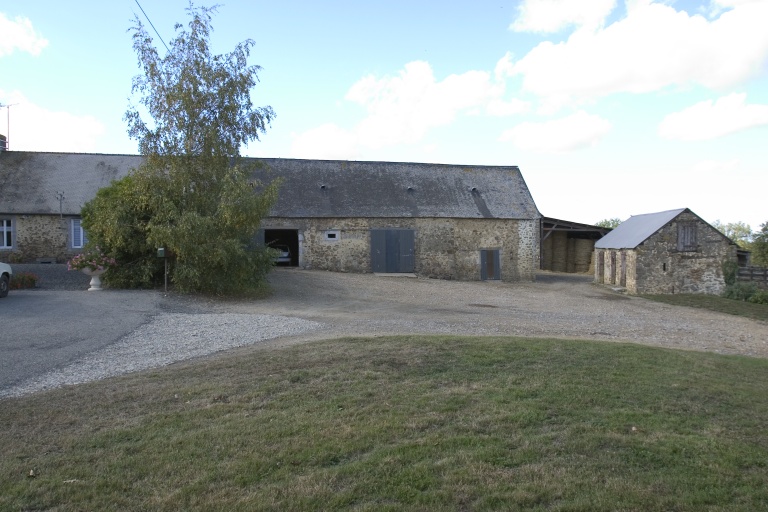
(169, 338)
(312, 305)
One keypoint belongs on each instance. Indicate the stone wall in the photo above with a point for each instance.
(444, 248)
(662, 268)
(658, 266)
(40, 237)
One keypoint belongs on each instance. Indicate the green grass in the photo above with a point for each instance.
(715, 303)
(401, 423)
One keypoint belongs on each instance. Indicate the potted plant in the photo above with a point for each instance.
(93, 262)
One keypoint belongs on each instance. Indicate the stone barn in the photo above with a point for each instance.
(667, 252)
(441, 221)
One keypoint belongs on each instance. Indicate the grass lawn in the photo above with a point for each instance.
(715, 303)
(401, 423)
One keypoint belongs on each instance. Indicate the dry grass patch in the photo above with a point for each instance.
(401, 423)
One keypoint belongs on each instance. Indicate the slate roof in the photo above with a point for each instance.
(30, 183)
(332, 188)
(636, 230)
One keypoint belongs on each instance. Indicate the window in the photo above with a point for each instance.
(6, 234)
(686, 237)
(332, 235)
(79, 238)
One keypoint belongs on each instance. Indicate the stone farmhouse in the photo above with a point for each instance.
(440, 221)
(667, 252)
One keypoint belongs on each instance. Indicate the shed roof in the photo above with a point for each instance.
(636, 229)
(53, 183)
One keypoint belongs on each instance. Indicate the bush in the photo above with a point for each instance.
(23, 280)
(740, 291)
(759, 297)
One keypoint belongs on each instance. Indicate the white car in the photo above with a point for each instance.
(285, 254)
(5, 278)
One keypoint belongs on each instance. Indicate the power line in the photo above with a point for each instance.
(153, 27)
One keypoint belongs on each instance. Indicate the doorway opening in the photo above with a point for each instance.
(287, 242)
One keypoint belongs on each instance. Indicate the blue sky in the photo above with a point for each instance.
(610, 108)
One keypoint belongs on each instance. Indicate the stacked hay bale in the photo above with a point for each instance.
(559, 251)
(583, 249)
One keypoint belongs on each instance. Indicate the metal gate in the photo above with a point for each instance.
(392, 250)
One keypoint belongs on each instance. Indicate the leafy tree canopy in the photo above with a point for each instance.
(739, 232)
(193, 195)
(759, 246)
(609, 223)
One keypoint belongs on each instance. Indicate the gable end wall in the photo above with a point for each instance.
(657, 266)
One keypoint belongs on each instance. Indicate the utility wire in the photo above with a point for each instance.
(153, 27)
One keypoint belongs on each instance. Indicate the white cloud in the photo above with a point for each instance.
(402, 109)
(554, 15)
(577, 131)
(709, 120)
(18, 34)
(326, 142)
(715, 169)
(501, 108)
(33, 128)
(653, 47)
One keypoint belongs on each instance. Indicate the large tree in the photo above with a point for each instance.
(193, 195)
(739, 232)
(759, 246)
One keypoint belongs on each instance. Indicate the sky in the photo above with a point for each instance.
(610, 108)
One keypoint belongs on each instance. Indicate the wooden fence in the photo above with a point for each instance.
(757, 275)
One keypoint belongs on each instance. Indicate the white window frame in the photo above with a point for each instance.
(332, 235)
(77, 233)
(6, 233)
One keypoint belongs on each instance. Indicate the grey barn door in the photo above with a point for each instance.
(490, 264)
(392, 250)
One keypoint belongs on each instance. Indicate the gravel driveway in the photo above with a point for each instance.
(311, 305)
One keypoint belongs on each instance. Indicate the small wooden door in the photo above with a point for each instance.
(490, 264)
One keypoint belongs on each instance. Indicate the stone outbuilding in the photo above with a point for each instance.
(441, 221)
(667, 252)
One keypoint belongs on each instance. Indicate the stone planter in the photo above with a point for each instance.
(95, 280)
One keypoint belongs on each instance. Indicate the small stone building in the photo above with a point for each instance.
(667, 252)
(441, 221)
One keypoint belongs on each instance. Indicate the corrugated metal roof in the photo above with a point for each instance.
(636, 229)
(30, 183)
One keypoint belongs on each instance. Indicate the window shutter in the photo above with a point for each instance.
(79, 238)
(686, 237)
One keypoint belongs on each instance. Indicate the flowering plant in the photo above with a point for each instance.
(93, 259)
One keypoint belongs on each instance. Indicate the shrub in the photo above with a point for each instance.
(23, 280)
(740, 291)
(759, 297)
